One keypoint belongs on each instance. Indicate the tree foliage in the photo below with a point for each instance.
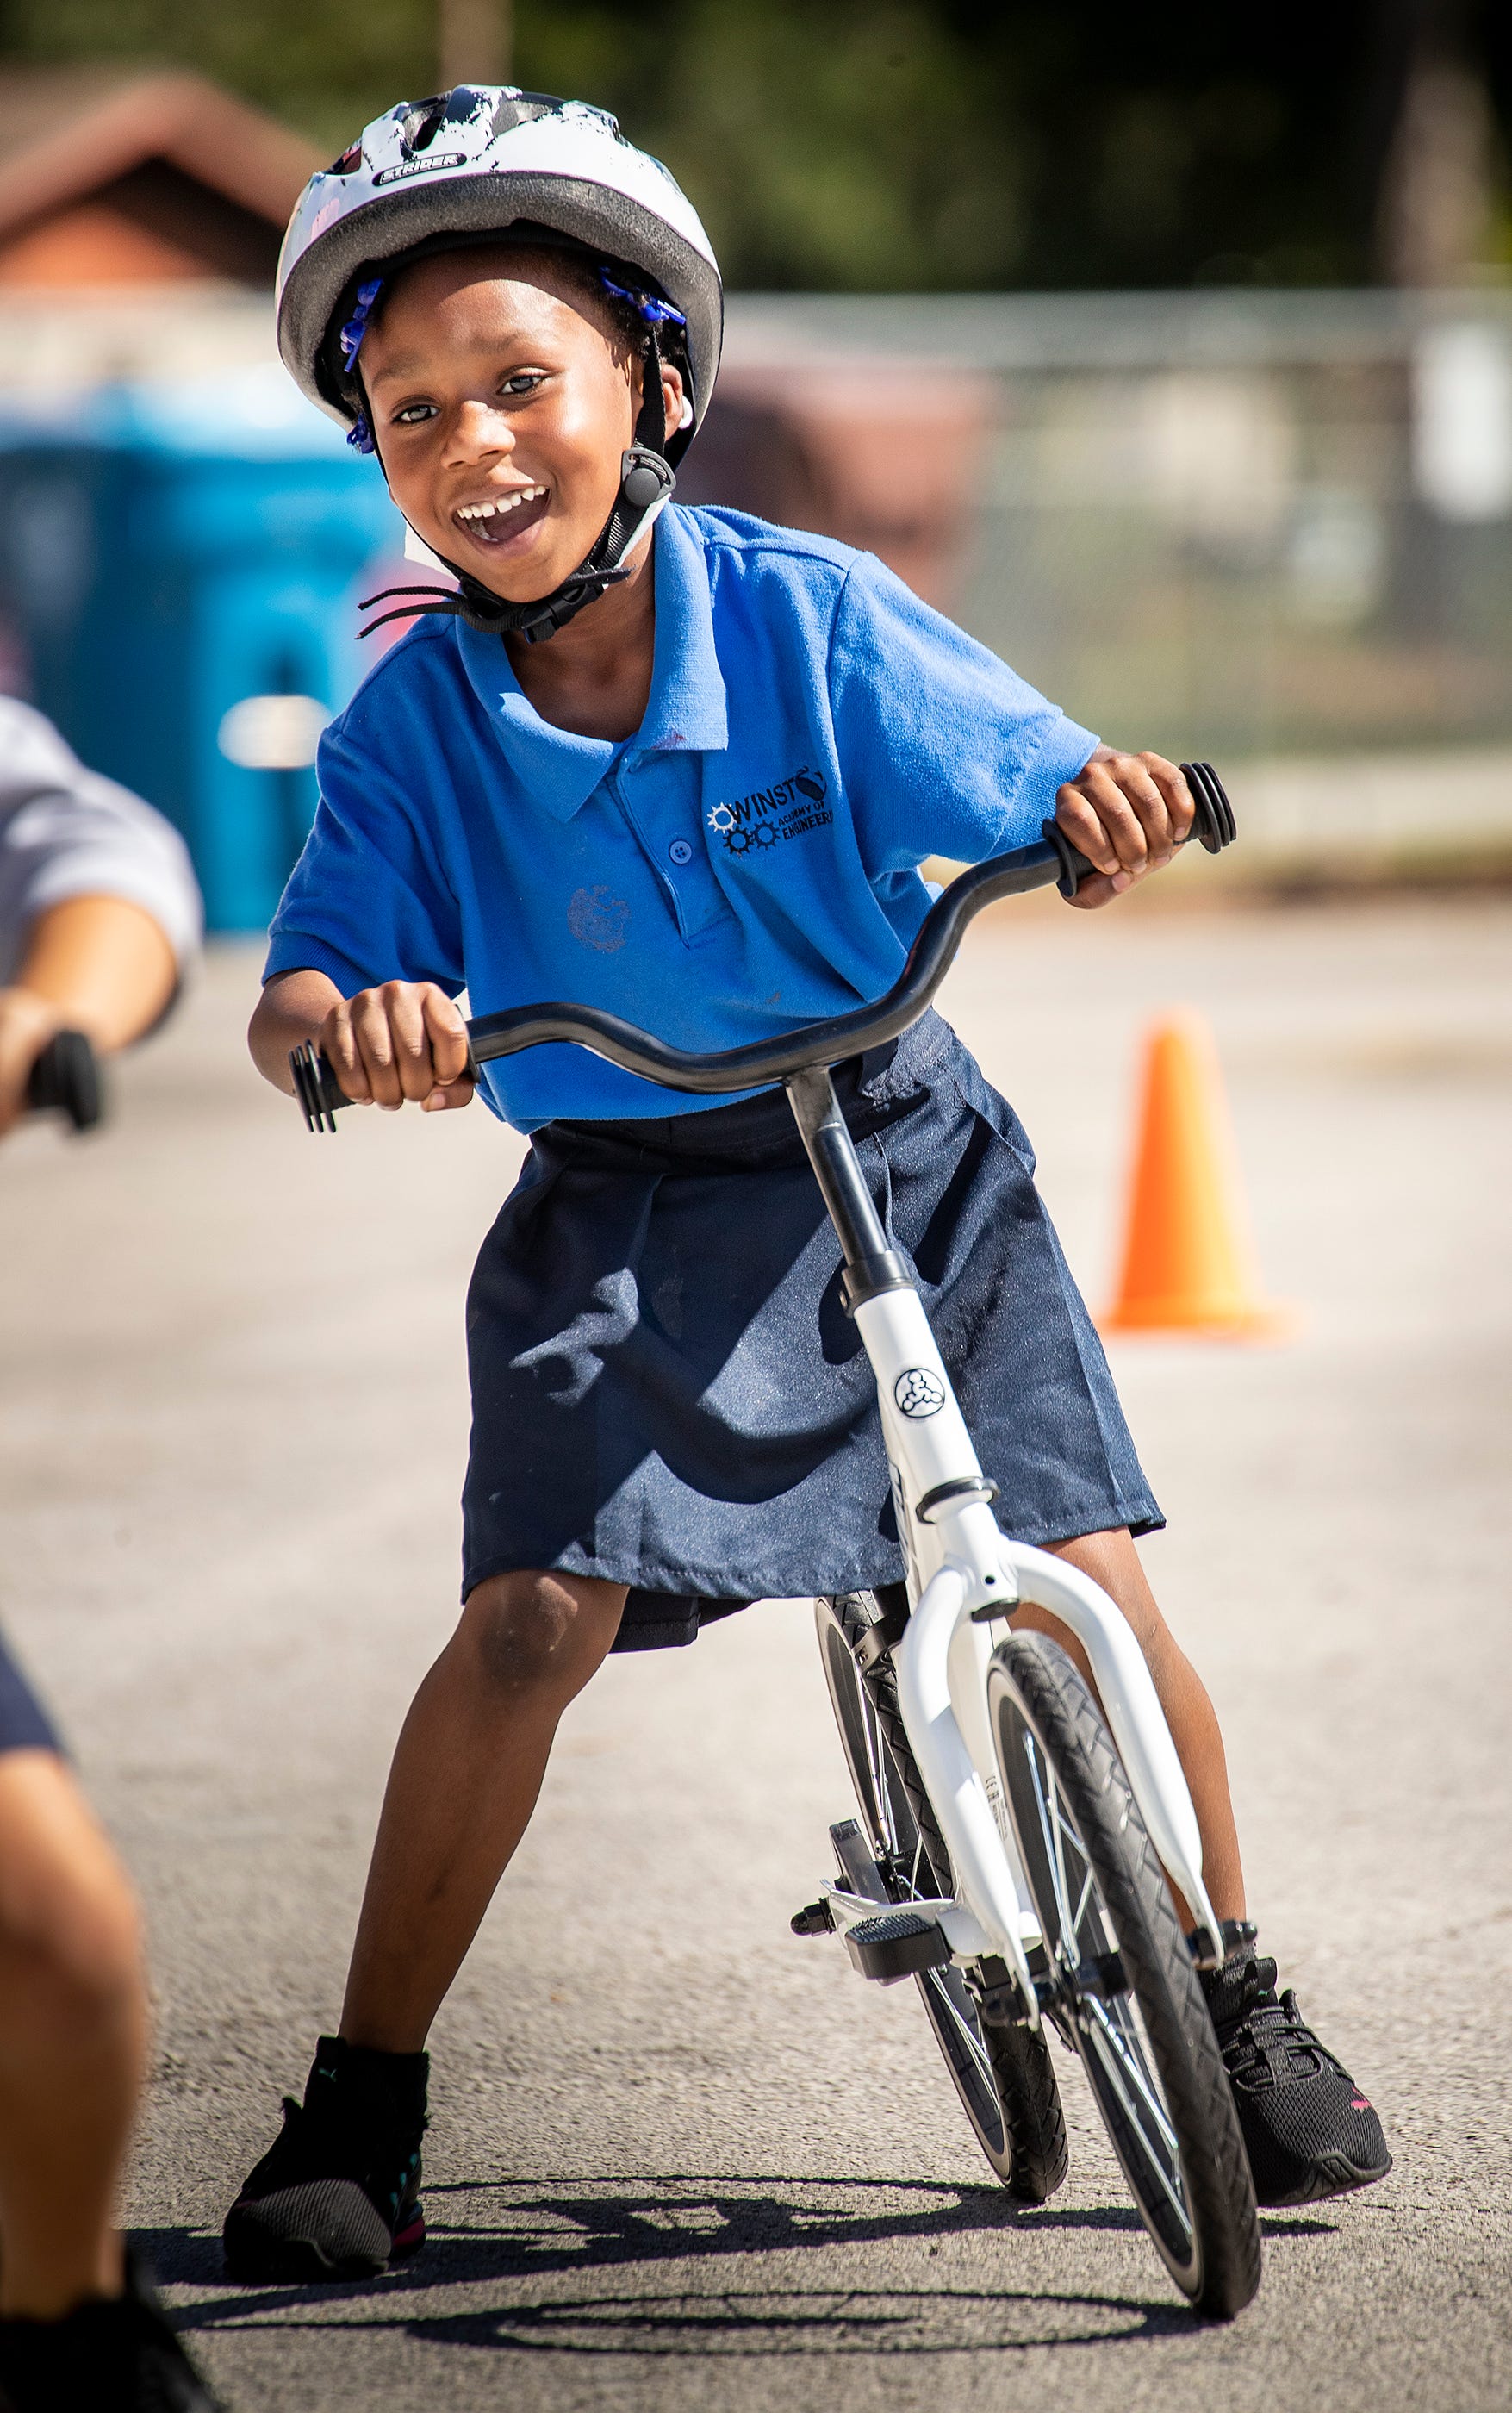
(893, 144)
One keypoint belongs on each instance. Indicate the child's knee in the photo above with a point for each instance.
(537, 1635)
(71, 1956)
(69, 1915)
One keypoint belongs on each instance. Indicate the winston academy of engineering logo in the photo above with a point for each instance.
(768, 817)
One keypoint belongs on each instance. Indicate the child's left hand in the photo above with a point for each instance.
(1127, 813)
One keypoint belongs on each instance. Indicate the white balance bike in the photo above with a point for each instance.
(1020, 1838)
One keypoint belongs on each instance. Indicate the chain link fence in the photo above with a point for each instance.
(1257, 525)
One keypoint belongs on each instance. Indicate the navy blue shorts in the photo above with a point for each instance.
(667, 1391)
(24, 1725)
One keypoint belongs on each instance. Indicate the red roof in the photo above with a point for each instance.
(119, 168)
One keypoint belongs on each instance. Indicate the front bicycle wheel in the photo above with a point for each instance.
(1126, 1995)
(1001, 2072)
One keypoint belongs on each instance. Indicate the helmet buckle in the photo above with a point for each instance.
(645, 478)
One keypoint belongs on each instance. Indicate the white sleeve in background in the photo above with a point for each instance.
(68, 831)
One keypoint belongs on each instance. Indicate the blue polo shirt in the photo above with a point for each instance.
(747, 862)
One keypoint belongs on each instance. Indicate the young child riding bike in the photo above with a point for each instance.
(684, 766)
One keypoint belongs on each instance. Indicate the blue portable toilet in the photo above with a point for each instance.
(171, 555)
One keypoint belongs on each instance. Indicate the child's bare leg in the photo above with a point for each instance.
(73, 2035)
(465, 1776)
(1112, 1561)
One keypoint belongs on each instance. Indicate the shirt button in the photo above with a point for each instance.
(680, 852)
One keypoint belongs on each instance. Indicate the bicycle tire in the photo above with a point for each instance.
(1001, 2072)
(1128, 1995)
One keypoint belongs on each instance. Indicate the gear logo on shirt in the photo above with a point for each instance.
(770, 817)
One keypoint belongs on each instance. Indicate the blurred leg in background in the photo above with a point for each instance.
(73, 2040)
(99, 916)
(79, 2323)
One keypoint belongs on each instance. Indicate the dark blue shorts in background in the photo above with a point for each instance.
(24, 1725)
(668, 1393)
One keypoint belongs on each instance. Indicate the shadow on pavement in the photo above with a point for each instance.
(818, 2321)
(695, 2227)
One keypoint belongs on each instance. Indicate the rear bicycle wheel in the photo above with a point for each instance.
(1001, 2072)
(1126, 1991)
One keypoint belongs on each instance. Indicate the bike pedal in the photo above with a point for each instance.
(814, 1918)
(896, 1944)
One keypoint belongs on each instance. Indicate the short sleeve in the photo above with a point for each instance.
(943, 748)
(66, 832)
(368, 900)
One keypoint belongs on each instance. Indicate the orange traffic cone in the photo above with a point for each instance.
(1188, 1261)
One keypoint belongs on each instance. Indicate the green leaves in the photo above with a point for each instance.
(882, 145)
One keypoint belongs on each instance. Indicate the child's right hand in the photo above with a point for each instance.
(405, 1040)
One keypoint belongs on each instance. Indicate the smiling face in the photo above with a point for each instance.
(501, 395)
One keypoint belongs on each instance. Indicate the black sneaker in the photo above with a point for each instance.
(114, 2354)
(1308, 2129)
(338, 2196)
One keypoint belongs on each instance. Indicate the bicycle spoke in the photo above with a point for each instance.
(1081, 1905)
(1116, 2070)
(893, 1820)
(1063, 1890)
(1047, 1806)
(1130, 2056)
(966, 2027)
(881, 1790)
(1067, 1834)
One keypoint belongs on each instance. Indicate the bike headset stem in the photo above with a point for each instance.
(869, 1266)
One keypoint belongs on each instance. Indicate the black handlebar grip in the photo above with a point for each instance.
(65, 1078)
(1212, 823)
(1074, 864)
(320, 1094)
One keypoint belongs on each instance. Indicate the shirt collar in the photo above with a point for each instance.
(685, 711)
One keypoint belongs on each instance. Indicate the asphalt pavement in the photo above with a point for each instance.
(680, 2159)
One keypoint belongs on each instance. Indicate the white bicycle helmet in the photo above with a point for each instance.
(473, 166)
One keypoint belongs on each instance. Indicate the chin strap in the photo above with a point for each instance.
(646, 484)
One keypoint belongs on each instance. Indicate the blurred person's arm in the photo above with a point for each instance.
(96, 963)
(99, 913)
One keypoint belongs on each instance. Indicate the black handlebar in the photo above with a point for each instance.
(65, 1078)
(1054, 861)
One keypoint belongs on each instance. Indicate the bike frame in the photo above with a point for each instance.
(964, 1578)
